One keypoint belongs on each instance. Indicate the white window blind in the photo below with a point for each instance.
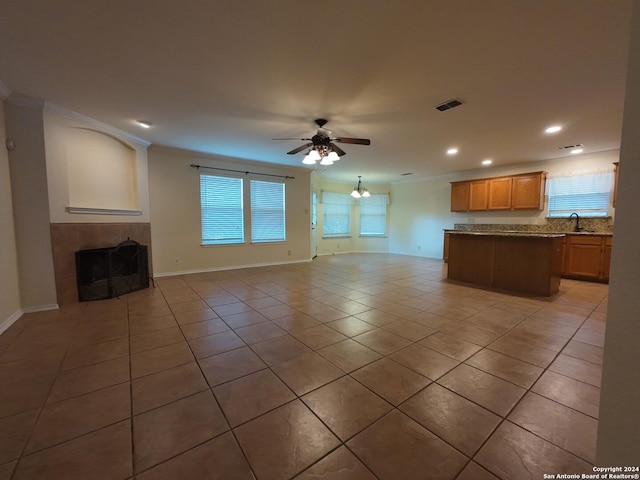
(221, 210)
(337, 214)
(373, 215)
(586, 194)
(267, 211)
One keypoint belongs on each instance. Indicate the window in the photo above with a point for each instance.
(267, 211)
(373, 215)
(221, 210)
(585, 194)
(337, 214)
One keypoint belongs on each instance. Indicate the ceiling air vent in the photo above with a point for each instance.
(569, 147)
(449, 105)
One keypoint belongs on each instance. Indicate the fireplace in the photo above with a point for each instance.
(111, 272)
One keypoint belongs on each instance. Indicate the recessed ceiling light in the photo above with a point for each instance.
(553, 129)
(452, 151)
(576, 151)
(487, 162)
(143, 123)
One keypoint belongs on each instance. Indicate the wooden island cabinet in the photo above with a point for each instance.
(516, 192)
(519, 262)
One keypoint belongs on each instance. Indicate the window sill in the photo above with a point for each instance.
(332, 238)
(373, 236)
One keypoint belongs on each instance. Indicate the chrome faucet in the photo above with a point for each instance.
(577, 228)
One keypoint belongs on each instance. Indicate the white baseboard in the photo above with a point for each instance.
(10, 321)
(41, 308)
(221, 269)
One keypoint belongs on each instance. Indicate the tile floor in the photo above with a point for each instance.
(348, 367)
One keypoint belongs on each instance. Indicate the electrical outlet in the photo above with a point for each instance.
(338, 246)
(289, 252)
(176, 260)
(419, 247)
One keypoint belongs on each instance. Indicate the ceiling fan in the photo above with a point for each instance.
(323, 143)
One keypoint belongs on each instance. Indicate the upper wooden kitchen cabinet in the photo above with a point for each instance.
(478, 195)
(516, 192)
(500, 193)
(528, 191)
(459, 196)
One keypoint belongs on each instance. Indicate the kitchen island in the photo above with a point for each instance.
(514, 261)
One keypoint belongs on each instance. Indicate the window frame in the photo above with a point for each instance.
(588, 194)
(282, 213)
(375, 200)
(227, 240)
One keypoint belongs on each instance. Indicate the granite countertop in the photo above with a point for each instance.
(507, 234)
(525, 234)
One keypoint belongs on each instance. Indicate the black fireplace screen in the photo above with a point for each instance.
(113, 271)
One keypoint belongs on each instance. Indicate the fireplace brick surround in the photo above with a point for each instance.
(67, 238)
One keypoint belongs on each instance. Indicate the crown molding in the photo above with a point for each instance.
(4, 91)
(44, 105)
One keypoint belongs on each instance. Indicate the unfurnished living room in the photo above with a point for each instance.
(339, 241)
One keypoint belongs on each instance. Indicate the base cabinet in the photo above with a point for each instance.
(587, 257)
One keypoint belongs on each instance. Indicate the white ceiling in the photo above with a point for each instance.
(226, 77)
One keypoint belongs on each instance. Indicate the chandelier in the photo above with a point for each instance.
(359, 190)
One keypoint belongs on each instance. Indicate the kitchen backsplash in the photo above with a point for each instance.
(552, 225)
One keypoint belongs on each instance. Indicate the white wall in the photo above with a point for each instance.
(175, 215)
(619, 426)
(421, 209)
(10, 292)
(92, 168)
(24, 126)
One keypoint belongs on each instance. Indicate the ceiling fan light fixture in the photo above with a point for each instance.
(308, 160)
(333, 156)
(326, 161)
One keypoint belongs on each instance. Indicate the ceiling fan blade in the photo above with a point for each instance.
(337, 149)
(299, 149)
(356, 141)
(299, 139)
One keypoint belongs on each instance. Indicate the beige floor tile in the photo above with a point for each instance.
(250, 396)
(453, 418)
(512, 452)
(194, 316)
(80, 356)
(204, 328)
(346, 407)
(318, 337)
(486, 390)
(409, 330)
(340, 464)
(392, 381)
(217, 343)
(297, 321)
(524, 351)
(6, 470)
(169, 430)
(572, 393)
(158, 359)
(349, 355)
(23, 395)
(505, 367)
(350, 326)
(259, 332)
(243, 319)
(30, 367)
(382, 341)
(584, 351)
(167, 386)
(424, 361)
(106, 455)
(578, 369)
(62, 421)
(140, 325)
(473, 471)
(572, 431)
(307, 372)
(451, 346)
(230, 365)
(279, 349)
(156, 339)
(14, 433)
(286, 441)
(78, 381)
(216, 459)
(387, 447)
